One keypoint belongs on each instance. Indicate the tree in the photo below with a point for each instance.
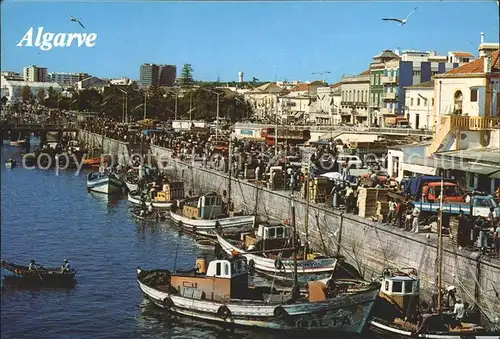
(187, 75)
(41, 95)
(26, 93)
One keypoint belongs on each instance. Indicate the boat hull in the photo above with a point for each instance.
(106, 185)
(135, 199)
(387, 330)
(21, 276)
(345, 313)
(309, 269)
(9, 164)
(131, 187)
(207, 228)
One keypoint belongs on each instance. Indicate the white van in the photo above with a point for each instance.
(353, 161)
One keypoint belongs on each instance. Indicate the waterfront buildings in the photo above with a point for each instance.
(420, 105)
(13, 89)
(66, 79)
(157, 75)
(35, 74)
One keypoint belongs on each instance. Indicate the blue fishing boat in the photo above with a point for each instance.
(104, 182)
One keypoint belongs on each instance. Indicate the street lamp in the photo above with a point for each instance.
(218, 106)
(126, 104)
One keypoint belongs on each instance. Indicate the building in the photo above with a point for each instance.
(123, 81)
(92, 83)
(13, 89)
(35, 74)
(466, 143)
(376, 87)
(420, 105)
(167, 75)
(297, 104)
(66, 79)
(157, 75)
(354, 98)
(264, 100)
(8, 75)
(326, 108)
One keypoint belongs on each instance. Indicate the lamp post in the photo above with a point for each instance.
(218, 107)
(126, 104)
(145, 103)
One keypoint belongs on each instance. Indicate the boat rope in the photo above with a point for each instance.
(274, 278)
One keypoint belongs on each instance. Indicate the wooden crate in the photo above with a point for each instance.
(368, 199)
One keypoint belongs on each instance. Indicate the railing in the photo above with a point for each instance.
(387, 111)
(470, 123)
(389, 80)
(40, 126)
(406, 131)
(388, 96)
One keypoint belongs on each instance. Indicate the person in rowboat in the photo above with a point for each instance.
(33, 266)
(65, 267)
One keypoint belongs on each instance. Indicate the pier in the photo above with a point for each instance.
(46, 132)
(369, 246)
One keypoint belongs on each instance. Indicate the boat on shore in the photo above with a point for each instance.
(40, 276)
(205, 214)
(104, 182)
(268, 250)
(221, 294)
(10, 163)
(163, 199)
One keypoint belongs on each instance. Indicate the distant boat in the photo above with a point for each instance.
(10, 163)
(40, 276)
(161, 199)
(104, 182)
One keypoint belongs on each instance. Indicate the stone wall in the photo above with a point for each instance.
(369, 246)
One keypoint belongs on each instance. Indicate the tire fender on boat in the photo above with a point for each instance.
(251, 265)
(280, 312)
(167, 303)
(224, 312)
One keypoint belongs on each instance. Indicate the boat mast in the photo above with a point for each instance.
(295, 289)
(440, 249)
(230, 166)
(306, 214)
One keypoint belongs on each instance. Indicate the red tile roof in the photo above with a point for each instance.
(367, 72)
(300, 88)
(477, 66)
(462, 54)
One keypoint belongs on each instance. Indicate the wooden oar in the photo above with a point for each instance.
(39, 275)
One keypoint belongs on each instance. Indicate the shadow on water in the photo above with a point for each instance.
(106, 201)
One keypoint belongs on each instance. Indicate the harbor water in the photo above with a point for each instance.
(50, 216)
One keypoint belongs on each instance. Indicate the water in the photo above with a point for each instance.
(49, 217)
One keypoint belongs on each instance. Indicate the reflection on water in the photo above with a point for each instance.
(106, 201)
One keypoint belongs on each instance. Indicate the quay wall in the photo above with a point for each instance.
(369, 246)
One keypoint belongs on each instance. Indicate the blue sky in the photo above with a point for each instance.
(287, 40)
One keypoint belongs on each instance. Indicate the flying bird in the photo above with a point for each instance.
(76, 20)
(401, 21)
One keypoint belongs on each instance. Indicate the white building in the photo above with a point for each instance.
(354, 98)
(326, 108)
(123, 81)
(264, 100)
(420, 105)
(92, 83)
(12, 89)
(66, 79)
(35, 74)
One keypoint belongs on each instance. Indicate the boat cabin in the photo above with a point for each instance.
(222, 280)
(170, 191)
(206, 207)
(268, 237)
(400, 289)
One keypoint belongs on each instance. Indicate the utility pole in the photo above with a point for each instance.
(176, 96)
(145, 103)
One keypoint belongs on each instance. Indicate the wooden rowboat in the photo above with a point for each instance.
(41, 276)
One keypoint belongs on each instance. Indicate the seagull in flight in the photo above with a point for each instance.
(401, 21)
(76, 20)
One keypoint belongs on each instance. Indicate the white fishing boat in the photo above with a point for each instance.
(203, 215)
(132, 177)
(17, 143)
(104, 182)
(159, 199)
(221, 294)
(268, 250)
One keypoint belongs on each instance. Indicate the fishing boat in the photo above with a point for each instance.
(143, 215)
(10, 163)
(221, 294)
(132, 177)
(163, 199)
(104, 182)
(205, 244)
(40, 276)
(268, 250)
(396, 312)
(203, 215)
(95, 162)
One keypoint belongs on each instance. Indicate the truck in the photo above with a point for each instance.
(453, 201)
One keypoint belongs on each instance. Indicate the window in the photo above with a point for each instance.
(397, 286)
(226, 269)
(217, 269)
(279, 232)
(387, 286)
(418, 101)
(465, 60)
(411, 102)
(471, 180)
(473, 95)
(432, 101)
(416, 73)
(408, 286)
(272, 233)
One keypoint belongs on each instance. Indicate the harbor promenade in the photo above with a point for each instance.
(369, 246)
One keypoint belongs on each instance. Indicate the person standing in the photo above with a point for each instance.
(425, 193)
(463, 230)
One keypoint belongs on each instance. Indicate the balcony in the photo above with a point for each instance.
(387, 111)
(466, 123)
(374, 103)
(389, 80)
(389, 96)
